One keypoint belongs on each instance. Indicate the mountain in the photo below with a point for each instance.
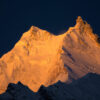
(34, 60)
(41, 58)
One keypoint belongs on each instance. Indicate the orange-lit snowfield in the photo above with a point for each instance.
(40, 57)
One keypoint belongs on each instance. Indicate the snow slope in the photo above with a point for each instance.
(34, 60)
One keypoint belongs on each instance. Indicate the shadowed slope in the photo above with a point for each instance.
(81, 50)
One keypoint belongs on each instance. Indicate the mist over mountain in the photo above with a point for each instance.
(42, 58)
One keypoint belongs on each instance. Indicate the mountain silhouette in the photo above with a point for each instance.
(86, 88)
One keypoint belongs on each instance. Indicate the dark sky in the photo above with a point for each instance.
(16, 17)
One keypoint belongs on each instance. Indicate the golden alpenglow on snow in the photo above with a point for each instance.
(41, 58)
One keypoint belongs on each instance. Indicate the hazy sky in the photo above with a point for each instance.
(16, 16)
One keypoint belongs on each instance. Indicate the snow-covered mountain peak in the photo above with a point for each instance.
(34, 28)
(82, 34)
(79, 20)
(41, 58)
(34, 60)
(35, 33)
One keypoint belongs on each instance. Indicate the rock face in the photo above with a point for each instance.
(41, 58)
